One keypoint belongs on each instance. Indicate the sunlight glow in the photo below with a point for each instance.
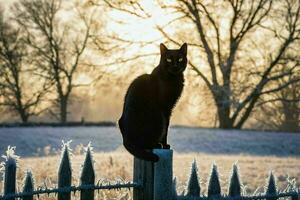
(138, 29)
(83, 79)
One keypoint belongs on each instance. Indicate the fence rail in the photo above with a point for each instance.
(293, 195)
(71, 189)
(151, 181)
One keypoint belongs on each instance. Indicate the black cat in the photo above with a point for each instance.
(149, 102)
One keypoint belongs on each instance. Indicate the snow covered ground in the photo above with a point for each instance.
(105, 139)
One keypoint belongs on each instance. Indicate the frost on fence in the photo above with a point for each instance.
(292, 188)
(10, 157)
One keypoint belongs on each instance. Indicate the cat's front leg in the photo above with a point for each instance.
(165, 138)
(165, 143)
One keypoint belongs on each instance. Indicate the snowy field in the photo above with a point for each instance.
(32, 141)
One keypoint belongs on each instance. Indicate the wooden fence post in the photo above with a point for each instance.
(143, 174)
(163, 175)
(156, 178)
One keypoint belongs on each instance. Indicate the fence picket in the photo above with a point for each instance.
(193, 184)
(87, 176)
(64, 174)
(214, 188)
(28, 186)
(10, 172)
(271, 189)
(235, 184)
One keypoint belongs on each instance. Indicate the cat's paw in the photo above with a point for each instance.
(159, 146)
(166, 146)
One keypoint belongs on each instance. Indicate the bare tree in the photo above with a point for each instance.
(14, 88)
(230, 34)
(236, 100)
(290, 106)
(281, 110)
(57, 44)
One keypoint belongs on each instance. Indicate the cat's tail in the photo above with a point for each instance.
(141, 153)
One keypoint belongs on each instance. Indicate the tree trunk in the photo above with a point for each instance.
(63, 109)
(222, 101)
(224, 118)
(20, 107)
(291, 116)
(23, 116)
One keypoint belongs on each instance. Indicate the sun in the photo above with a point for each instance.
(140, 29)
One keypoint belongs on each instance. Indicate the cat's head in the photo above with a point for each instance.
(174, 61)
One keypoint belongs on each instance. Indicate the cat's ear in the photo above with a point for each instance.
(163, 48)
(183, 49)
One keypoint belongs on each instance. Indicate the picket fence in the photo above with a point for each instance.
(151, 181)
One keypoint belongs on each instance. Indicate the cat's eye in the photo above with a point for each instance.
(180, 59)
(169, 60)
